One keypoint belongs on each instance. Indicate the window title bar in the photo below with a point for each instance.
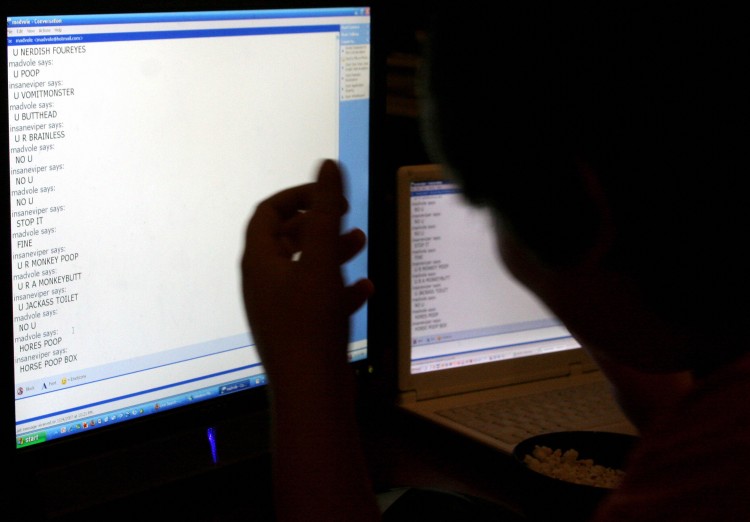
(129, 18)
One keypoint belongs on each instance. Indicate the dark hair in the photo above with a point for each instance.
(650, 96)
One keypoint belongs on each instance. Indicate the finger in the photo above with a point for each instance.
(351, 243)
(269, 223)
(320, 238)
(328, 195)
(288, 202)
(357, 294)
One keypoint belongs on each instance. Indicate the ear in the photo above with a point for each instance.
(574, 229)
(562, 213)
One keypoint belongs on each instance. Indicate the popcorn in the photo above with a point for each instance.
(567, 466)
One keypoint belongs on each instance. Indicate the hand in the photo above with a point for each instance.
(644, 396)
(296, 301)
(298, 307)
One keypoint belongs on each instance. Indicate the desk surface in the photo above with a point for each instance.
(404, 451)
(408, 451)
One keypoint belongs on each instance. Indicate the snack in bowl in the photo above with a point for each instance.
(566, 465)
(556, 471)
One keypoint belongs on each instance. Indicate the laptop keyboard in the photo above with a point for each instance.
(586, 406)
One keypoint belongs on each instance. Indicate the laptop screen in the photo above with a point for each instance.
(466, 309)
(139, 145)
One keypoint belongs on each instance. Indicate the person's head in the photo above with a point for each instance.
(607, 139)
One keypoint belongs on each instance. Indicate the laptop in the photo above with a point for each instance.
(470, 335)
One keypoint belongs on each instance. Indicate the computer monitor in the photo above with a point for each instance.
(141, 137)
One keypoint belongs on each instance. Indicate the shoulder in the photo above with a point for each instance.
(694, 462)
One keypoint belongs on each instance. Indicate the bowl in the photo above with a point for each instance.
(563, 497)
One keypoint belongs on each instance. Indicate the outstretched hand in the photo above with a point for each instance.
(298, 308)
(297, 303)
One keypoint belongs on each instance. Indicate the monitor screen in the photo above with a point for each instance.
(139, 144)
(466, 308)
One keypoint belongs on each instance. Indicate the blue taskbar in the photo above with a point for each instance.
(147, 408)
